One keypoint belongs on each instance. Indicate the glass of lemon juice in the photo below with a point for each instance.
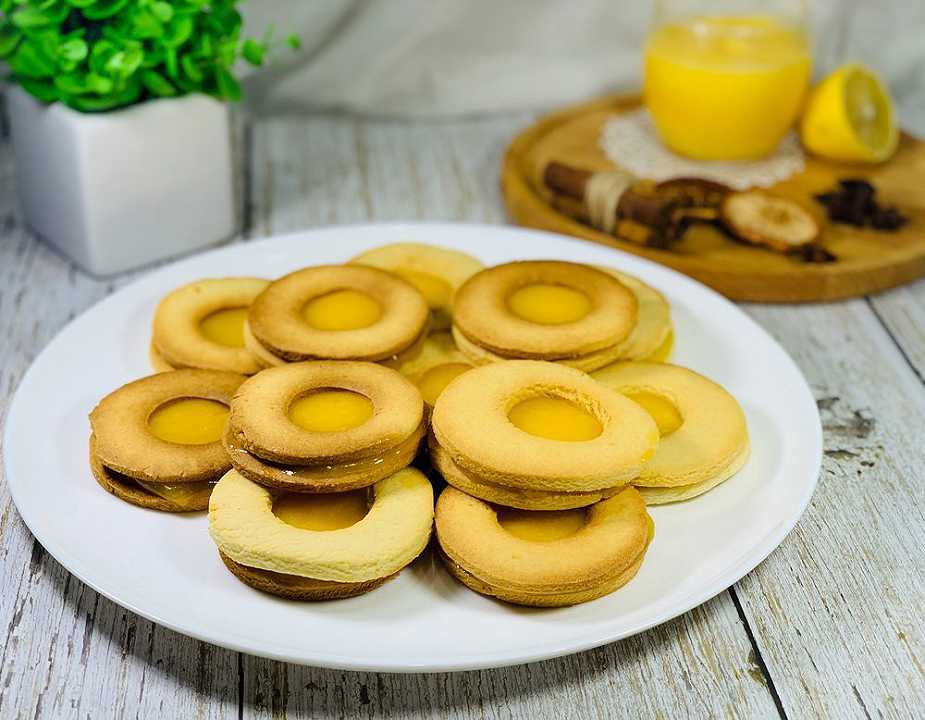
(726, 79)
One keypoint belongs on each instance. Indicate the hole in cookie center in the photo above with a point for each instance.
(225, 327)
(542, 525)
(663, 411)
(342, 310)
(330, 511)
(189, 421)
(548, 304)
(436, 291)
(554, 419)
(433, 381)
(331, 410)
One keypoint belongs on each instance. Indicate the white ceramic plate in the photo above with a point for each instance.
(166, 568)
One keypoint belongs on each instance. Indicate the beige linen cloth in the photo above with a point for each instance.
(458, 57)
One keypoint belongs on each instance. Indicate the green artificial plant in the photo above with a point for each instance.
(97, 55)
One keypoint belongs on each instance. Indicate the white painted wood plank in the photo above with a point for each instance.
(836, 609)
(67, 652)
(902, 311)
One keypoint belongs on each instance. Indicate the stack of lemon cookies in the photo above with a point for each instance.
(294, 408)
(538, 458)
(568, 313)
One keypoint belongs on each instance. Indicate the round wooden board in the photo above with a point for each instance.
(868, 260)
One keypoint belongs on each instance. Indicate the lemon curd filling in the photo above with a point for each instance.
(554, 419)
(189, 421)
(432, 382)
(549, 304)
(342, 310)
(186, 495)
(225, 327)
(331, 511)
(663, 411)
(331, 410)
(436, 291)
(542, 525)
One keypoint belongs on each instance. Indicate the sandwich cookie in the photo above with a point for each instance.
(156, 442)
(437, 363)
(704, 436)
(336, 312)
(201, 325)
(436, 271)
(324, 427)
(543, 559)
(544, 310)
(651, 338)
(321, 547)
(544, 435)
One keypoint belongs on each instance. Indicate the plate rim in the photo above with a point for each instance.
(720, 582)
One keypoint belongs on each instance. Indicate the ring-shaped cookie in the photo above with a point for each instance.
(260, 412)
(582, 566)
(277, 323)
(505, 496)
(586, 363)
(713, 433)
(482, 314)
(470, 421)
(128, 489)
(322, 478)
(395, 530)
(653, 319)
(125, 443)
(438, 272)
(679, 493)
(293, 587)
(177, 337)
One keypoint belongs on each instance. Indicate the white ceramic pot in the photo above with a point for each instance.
(114, 191)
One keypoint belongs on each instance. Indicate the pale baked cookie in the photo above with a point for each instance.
(473, 485)
(437, 272)
(543, 559)
(544, 310)
(434, 366)
(156, 442)
(704, 436)
(320, 547)
(324, 426)
(336, 312)
(653, 321)
(200, 325)
(540, 427)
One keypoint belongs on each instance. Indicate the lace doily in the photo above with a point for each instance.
(630, 141)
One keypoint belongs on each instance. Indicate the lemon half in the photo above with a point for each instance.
(850, 117)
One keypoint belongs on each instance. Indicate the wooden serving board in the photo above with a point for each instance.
(868, 260)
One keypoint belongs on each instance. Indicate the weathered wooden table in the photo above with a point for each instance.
(829, 626)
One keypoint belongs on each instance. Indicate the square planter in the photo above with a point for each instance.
(114, 191)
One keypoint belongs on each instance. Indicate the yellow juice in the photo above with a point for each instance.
(725, 88)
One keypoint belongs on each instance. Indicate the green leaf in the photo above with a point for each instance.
(228, 87)
(33, 17)
(294, 41)
(163, 11)
(73, 50)
(253, 51)
(43, 90)
(102, 9)
(157, 84)
(31, 62)
(9, 40)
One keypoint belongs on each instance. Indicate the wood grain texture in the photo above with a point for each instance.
(848, 583)
(868, 261)
(833, 612)
(67, 652)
